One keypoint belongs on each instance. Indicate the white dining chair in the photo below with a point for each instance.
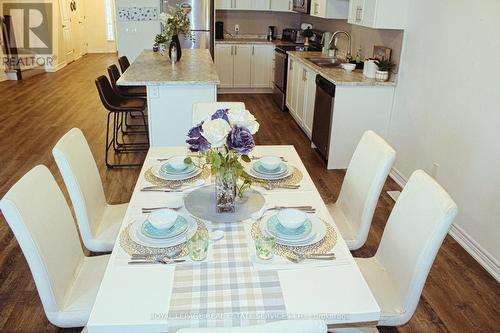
(412, 237)
(41, 220)
(365, 177)
(202, 111)
(98, 221)
(284, 326)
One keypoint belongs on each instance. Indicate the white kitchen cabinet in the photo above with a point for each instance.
(224, 4)
(300, 94)
(332, 9)
(291, 94)
(245, 65)
(282, 5)
(242, 4)
(242, 66)
(310, 95)
(378, 14)
(224, 64)
(262, 66)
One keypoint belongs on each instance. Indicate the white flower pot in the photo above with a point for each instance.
(382, 76)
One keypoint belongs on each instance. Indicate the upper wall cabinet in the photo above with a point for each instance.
(332, 9)
(274, 5)
(378, 14)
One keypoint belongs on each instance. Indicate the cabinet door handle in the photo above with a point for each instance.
(304, 75)
(291, 65)
(235, 49)
(316, 8)
(253, 50)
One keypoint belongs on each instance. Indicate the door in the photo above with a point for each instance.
(242, 4)
(66, 27)
(224, 64)
(82, 26)
(242, 66)
(310, 95)
(223, 4)
(281, 5)
(262, 62)
(290, 89)
(74, 8)
(261, 4)
(301, 87)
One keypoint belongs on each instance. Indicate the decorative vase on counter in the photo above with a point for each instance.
(382, 76)
(175, 42)
(225, 190)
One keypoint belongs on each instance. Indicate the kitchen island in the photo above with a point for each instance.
(172, 90)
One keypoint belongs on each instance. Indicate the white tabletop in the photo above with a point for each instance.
(136, 298)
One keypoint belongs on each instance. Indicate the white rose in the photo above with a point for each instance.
(243, 118)
(216, 132)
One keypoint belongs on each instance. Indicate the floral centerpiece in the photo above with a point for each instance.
(175, 22)
(223, 141)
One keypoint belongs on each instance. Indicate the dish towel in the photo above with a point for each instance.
(225, 292)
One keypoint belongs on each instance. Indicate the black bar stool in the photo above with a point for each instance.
(127, 91)
(118, 107)
(124, 63)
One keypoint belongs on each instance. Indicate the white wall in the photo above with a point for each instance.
(96, 28)
(447, 110)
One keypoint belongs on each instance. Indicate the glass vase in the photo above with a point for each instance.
(225, 190)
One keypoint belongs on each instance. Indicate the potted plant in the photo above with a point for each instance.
(173, 23)
(384, 66)
(223, 141)
(160, 43)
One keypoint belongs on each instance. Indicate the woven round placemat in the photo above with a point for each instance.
(150, 177)
(325, 245)
(132, 247)
(293, 179)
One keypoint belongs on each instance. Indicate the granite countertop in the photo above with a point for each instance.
(337, 75)
(196, 67)
(253, 40)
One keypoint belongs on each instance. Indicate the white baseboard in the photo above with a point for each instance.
(398, 177)
(483, 257)
(100, 51)
(244, 91)
(55, 69)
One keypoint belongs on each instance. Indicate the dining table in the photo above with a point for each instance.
(144, 298)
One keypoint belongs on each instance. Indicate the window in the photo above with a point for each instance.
(110, 29)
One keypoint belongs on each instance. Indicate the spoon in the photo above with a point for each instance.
(168, 255)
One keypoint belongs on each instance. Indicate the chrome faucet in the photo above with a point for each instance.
(348, 54)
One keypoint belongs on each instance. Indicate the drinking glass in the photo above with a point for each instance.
(265, 247)
(198, 247)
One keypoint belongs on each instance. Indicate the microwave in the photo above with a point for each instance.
(302, 6)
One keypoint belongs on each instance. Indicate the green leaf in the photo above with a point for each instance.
(188, 160)
(245, 158)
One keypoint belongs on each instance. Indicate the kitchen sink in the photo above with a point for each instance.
(325, 62)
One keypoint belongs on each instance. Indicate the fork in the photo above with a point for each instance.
(151, 209)
(269, 186)
(301, 257)
(258, 157)
(164, 261)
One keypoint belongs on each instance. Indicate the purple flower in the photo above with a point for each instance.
(221, 114)
(195, 139)
(240, 140)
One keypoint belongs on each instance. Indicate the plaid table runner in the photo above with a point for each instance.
(226, 291)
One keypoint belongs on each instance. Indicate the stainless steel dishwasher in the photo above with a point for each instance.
(323, 111)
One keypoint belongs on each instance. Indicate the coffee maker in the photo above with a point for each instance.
(219, 30)
(271, 32)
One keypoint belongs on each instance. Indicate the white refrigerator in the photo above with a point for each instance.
(137, 24)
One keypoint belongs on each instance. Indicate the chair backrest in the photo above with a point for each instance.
(109, 98)
(124, 63)
(284, 326)
(366, 175)
(114, 75)
(202, 111)
(83, 182)
(413, 235)
(39, 217)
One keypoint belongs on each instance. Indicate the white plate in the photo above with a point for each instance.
(155, 169)
(137, 236)
(255, 174)
(318, 233)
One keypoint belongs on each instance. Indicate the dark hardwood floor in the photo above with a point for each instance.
(459, 295)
